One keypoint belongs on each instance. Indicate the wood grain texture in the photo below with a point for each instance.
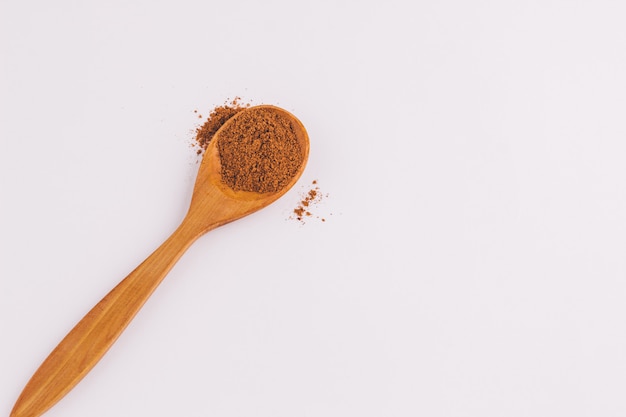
(212, 205)
(89, 340)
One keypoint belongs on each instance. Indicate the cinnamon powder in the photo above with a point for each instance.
(259, 151)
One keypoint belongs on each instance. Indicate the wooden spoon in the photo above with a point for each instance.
(212, 204)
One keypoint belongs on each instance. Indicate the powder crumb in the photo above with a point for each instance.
(308, 200)
(217, 117)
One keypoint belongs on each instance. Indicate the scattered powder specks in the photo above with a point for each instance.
(307, 204)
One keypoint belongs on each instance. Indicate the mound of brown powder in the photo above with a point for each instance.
(259, 151)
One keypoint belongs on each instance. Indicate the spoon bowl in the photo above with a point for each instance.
(213, 204)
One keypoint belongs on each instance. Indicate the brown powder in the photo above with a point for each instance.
(259, 151)
(310, 198)
(217, 117)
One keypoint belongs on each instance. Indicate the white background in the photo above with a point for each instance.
(473, 258)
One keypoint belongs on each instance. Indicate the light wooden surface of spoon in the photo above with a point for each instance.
(212, 204)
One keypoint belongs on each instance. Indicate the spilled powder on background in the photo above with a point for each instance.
(217, 117)
(307, 204)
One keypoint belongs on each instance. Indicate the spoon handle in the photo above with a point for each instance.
(89, 340)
